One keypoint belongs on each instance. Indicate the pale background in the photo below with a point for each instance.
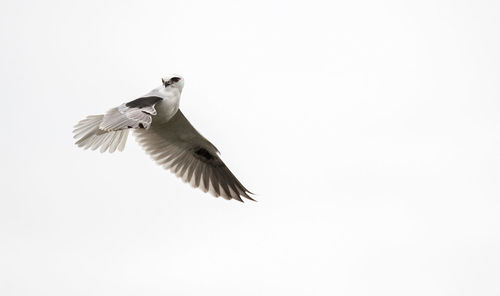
(370, 131)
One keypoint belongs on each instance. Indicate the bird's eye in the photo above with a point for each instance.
(175, 79)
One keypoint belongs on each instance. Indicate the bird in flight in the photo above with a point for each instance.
(163, 131)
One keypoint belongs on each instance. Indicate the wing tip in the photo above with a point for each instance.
(88, 135)
(248, 196)
(238, 195)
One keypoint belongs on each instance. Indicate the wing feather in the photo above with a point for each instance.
(109, 132)
(178, 147)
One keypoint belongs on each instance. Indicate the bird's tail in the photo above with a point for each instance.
(88, 135)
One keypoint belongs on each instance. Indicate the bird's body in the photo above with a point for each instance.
(166, 135)
(169, 104)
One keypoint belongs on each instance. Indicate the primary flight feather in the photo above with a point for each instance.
(164, 132)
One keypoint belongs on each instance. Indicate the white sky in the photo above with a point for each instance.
(370, 131)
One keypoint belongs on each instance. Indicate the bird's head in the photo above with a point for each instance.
(173, 81)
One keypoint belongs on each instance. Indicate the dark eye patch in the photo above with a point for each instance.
(175, 79)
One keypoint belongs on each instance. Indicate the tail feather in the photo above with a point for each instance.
(88, 135)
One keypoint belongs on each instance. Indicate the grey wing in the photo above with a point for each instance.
(177, 146)
(135, 114)
(109, 132)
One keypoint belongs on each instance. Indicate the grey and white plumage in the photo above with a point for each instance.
(164, 132)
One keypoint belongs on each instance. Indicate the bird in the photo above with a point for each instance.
(166, 135)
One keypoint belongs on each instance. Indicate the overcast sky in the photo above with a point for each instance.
(369, 130)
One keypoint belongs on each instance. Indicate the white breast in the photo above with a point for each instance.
(168, 107)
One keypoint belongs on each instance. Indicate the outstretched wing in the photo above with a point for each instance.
(177, 146)
(135, 114)
(88, 135)
(110, 131)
